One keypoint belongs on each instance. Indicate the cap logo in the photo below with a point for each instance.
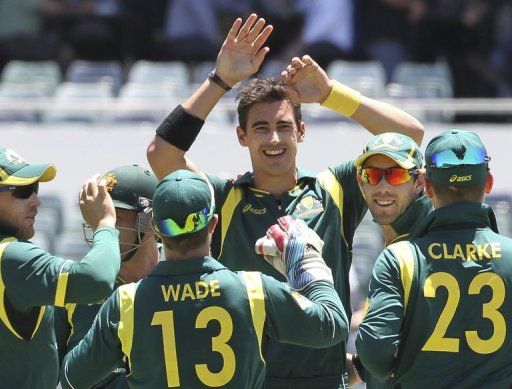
(456, 178)
(111, 181)
(388, 141)
(13, 157)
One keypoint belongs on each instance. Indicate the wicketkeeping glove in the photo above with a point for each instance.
(295, 250)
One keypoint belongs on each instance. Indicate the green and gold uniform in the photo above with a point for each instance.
(405, 227)
(72, 324)
(437, 315)
(32, 281)
(330, 203)
(194, 323)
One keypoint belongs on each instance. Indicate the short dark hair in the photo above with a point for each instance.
(185, 243)
(456, 194)
(262, 90)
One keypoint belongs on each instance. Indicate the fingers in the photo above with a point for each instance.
(234, 29)
(306, 59)
(260, 56)
(242, 34)
(102, 188)
(92, 186)
(297, 63)
(255, 30)
(81, 196)
(262, 37)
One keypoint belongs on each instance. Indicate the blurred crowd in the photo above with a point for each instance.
(473, 36)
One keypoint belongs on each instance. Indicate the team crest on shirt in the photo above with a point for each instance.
(111, 181)
(307, 207)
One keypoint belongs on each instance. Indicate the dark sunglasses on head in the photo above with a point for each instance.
(21, 192)
(394, 175)
(448, 158)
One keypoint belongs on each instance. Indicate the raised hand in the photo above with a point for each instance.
(242, 53)
(96, 204)
(305, 81)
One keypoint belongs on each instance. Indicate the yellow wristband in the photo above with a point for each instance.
(343, 99)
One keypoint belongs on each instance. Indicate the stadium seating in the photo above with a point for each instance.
(22, 72)
(89, 96)
(436, 76)
(109, 73)
(22, 95)
(146, 72)
(137, 103)
(367, 77)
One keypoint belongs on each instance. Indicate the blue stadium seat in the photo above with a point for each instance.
(22, 96)
(137, 103)
(109, 73)
(147, 72)
(77, 102)
(368, 77)
(39, 72)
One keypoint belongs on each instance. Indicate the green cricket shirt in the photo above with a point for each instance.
(32, 281)
(405, 226)
(437, 314)
(331, 203)
(194, 323)
(72, 322)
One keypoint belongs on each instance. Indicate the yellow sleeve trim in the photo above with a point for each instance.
(343, 99)
(3, 312)
(254, 286)
(62, 284)
(70, 311)
(126, 317)
(226, 213)
(330, 183)
(405, 257)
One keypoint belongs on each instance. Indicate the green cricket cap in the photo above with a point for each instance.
(184, 203)
(456, 158)
(15, 171)
(400, 148)
(131, 187)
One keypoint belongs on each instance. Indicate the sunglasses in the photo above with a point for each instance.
(448, 158)
(21, 192)
(394, 175)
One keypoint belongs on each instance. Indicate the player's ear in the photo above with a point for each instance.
(301, 132)
(213, 223)
(428, 188)
(242, 136)
(419, 184)
(489, 183)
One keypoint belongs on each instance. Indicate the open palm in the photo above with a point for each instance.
(242, 54)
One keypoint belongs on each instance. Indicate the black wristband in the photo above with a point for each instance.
(216, 79)
(180, 128)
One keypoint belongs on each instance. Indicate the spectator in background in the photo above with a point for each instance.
(501, 56)
(462, 32)
(328, 32)
(88, 29)
(386, 31)
(193, 28)
(21, 31)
